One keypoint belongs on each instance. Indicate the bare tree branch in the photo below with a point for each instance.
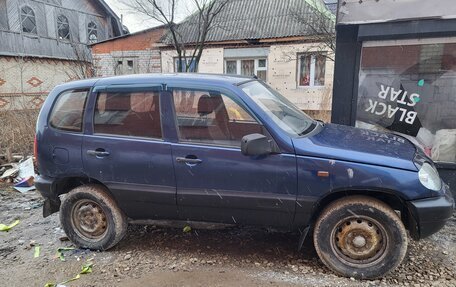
(81, 67)
(321, 25)
(202, 20)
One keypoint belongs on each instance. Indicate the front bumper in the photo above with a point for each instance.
(429, 215)
(51, 201)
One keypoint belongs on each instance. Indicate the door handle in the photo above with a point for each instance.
(188, 160)
(99, 153)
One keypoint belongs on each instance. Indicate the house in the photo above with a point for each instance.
(135, 53)
(278, 41)
(45, 43)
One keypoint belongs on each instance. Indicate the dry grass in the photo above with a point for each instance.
(17, 131)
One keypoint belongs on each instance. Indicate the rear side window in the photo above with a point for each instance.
(68, 111)
(128, 114)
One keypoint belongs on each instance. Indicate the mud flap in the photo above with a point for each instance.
(50, 207)
(303, 237)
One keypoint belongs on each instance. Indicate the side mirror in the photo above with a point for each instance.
(256, 144)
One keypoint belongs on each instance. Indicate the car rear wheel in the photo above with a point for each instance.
(360, 237)
(91, 218)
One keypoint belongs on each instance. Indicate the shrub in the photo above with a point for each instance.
(17, 131)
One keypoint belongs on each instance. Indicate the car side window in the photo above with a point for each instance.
(128, 114)
(211, 117)
(68, 111)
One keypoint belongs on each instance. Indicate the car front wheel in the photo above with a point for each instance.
(91, 218)
(360, 237)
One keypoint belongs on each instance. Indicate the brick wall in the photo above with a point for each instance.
(135, 42)
(140, 48)
(145, 61)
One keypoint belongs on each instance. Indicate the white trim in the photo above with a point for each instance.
(407, 42)
(312, 71)
(239, 65)
(313, 62)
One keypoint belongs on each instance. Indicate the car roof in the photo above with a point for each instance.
(184, 77)
(159, 78)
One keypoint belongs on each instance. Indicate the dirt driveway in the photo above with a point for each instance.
(152, 256)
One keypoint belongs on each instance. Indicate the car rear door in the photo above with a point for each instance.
(125, 150)
(215, 181)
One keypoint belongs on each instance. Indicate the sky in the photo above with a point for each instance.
(136, 22)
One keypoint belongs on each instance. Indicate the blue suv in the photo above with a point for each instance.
(231, 150)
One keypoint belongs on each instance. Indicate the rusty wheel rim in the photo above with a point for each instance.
(359, 241)
(89, 220)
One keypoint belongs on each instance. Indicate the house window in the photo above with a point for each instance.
(126, 67)
(92, 32)
(63, 27)
(247, 67)
(311, 70)
(28, 20)
(130, 65)
(186, 62)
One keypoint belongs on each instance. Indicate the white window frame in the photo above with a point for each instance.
(312, 71)
(256, 65)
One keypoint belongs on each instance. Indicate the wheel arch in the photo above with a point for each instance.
(66, 184)
(391, 198)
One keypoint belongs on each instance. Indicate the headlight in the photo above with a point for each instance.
(429, 177)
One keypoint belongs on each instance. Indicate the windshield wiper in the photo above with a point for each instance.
(310, 128)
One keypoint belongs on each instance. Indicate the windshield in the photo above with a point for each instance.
(290, 118)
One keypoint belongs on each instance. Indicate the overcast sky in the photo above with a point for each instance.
(136, 22)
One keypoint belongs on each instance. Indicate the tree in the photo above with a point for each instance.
(201, 22)
(81, 66)
(321, 24)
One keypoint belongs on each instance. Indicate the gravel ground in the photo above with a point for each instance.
(153, 256)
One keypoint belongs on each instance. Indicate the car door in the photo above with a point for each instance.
(215, 181)
(124, 149)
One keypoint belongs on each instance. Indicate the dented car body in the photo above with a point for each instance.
(230, 150)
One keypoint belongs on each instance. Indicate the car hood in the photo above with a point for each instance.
(358, 145)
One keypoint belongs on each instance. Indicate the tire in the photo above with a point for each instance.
(91, 219)
(360, 237)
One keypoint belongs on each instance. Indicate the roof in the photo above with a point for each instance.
(184, 77)
(116, 20)
(366, 12)
(108, 9)
(259, 19)
(130, 34)
(331, 5)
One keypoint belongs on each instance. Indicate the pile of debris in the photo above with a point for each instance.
(20, 172)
